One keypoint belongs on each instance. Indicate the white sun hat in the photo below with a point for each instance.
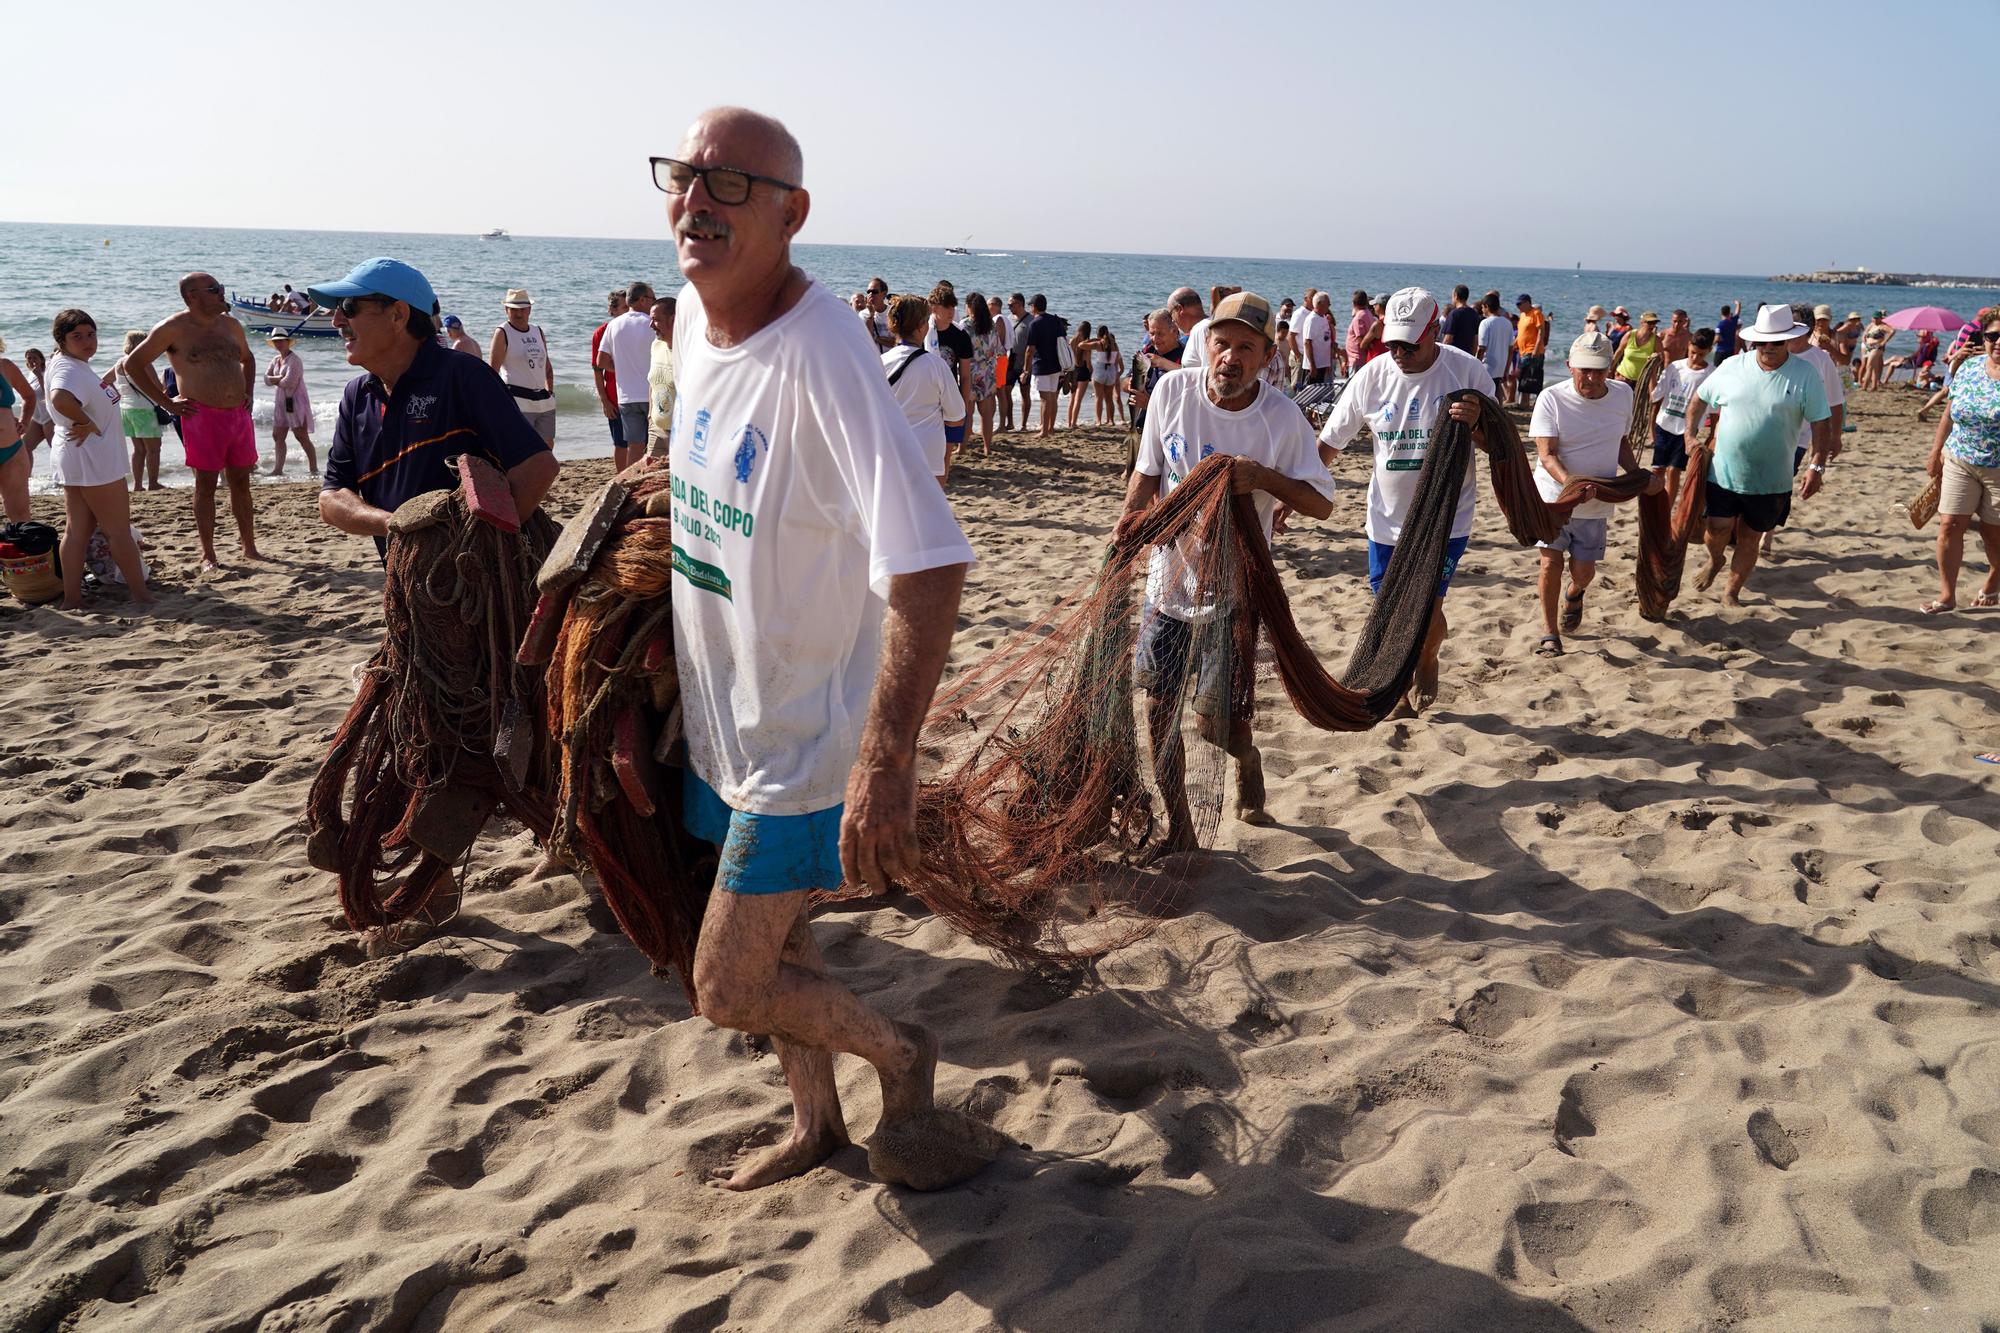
(1774, 325)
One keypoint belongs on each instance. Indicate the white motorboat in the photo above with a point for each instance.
(497, 234)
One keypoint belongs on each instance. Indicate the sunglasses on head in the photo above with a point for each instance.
(726, 185)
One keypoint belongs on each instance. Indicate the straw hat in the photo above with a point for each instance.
(278, 336)
(517, 298)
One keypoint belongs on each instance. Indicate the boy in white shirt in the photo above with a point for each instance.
(1674, 391)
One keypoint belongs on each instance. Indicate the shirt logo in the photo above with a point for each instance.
(1176, 445)
(418, 406)
(749, 442)
(698, 446)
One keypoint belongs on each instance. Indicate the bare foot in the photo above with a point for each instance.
(250, 552)
(69, 606)
(1708, 576)
(1250, 790)
(803, 1151)
(909, 1091)
(933, 1150)
(1729, 598)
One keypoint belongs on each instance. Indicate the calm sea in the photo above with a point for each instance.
(125, 277)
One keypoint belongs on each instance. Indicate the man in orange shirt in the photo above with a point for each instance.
(1531, 344)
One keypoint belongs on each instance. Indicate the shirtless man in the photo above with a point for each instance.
(214, 370)
(837, 605)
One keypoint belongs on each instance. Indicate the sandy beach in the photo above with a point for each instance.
(1649, 988)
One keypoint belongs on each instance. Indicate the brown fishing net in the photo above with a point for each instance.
(605, 627)
(442, 730)
(1042, 800)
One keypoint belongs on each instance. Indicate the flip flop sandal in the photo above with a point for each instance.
(1990, 757)
(1987, 599)
(1572, 615)
(1550, 646)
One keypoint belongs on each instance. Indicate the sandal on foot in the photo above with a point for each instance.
(1987, 599)
(1932, 608)
(1550, 646)
(1572, 615)
(1990, 757)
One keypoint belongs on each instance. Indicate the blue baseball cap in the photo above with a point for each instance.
(381, 277)
(453, 322)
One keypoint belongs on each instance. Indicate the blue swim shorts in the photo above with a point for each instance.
(1378, 563)
(764, 853)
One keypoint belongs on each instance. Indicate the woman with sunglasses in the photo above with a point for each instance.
(90, 461)
(1965, 458)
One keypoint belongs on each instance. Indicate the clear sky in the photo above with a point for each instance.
(1751, 136)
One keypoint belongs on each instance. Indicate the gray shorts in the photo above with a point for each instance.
(1583, 538)
(544, 424)
(632, 417)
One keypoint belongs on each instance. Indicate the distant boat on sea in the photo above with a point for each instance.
(257, 316)
(497, 234)
(959, 249)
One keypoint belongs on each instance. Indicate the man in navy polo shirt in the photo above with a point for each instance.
(418, 406)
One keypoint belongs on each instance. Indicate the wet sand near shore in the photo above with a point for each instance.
(1651, 987)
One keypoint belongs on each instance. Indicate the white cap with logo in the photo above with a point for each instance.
(1407, 315)
(1591, 351)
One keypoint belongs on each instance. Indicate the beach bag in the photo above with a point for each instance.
(1925, 505)
(1065, 363)
(29, 563)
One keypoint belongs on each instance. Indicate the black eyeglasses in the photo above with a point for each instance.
(726, 185)
(350, 306)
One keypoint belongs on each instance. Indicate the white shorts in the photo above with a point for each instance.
(1048, 383)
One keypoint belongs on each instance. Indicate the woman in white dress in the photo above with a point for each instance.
(291, 409)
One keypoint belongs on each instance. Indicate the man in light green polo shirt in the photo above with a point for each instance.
(1758, 403)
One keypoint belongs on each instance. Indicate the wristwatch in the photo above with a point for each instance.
(1815, 467)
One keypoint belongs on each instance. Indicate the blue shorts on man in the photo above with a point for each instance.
(1378, 563)
(764, 853)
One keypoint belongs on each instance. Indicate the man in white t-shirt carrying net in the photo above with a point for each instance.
(1401, 399)
(1580, 429)
(1186, 645)
(810, 542)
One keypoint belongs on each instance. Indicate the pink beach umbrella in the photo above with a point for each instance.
(1920, 317)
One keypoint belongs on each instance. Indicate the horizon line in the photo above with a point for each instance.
(874, 245)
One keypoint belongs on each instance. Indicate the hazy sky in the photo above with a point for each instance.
(1526, 132)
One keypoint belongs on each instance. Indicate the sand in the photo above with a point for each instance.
(1650, 988)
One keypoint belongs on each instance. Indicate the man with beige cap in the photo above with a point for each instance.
(1219, 406)
(520, 352)
(1579, 431)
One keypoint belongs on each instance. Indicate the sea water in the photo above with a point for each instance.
(126, 278)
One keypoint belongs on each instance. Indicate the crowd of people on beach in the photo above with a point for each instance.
(817, 561)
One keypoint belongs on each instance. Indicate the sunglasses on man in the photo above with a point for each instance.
(350, 306)
(726, 185)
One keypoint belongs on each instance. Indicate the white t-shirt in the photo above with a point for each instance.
(1194, 351)
(1496, 335)
(80, 459)
(877, 324)
(1829, 377)
(1316, 330)
(1587, 434)
(1004, 327)
(1182, 428)
(1673, 391)
(628, 345)
(928, 395)
(1402, 412)
(799, 491)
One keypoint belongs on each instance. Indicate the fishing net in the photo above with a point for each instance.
(604, 626)
(1053, 767)
(442, 729)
